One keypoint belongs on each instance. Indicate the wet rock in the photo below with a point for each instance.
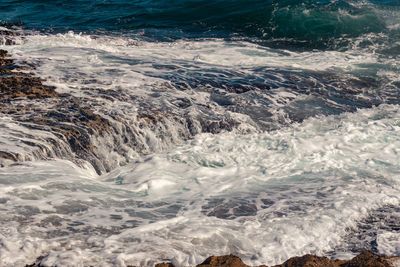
(83, 129)
(152, 116)
(18, 84)
(71, 206)
(7, 156)
(229, 209)
(368, 259)
(21, 85)
(6, 37)
(364, 236)
(308, 261)
(217, 126)
(223, 261)
(116, 217)
(37, 263)
(27, 211)
(365, 259)
(53, 220)
(9, 33)
(164, 264)
(3, 53)
(6, 63)
(64, 115)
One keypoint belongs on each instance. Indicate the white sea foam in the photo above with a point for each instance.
(388, 243)
(159, 73)
(72, 49)
(264, 197)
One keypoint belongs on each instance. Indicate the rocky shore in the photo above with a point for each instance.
(81, 129)
(31, 104)
(107, 128)
(85, 129)
(365, 259)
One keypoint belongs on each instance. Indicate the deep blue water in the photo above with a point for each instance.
(306, 24)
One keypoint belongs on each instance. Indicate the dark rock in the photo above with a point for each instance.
(68, 116)
(8, 155)
(5, 40)
(365, 259)
(6, 37)
(21, 85)
(217, 126)
(164, 264)
(3, 53)
(229, 209)
(17, 84)
(37, 264)
(223, 261)
(9, 33)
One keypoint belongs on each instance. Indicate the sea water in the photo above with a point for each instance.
(306, 161)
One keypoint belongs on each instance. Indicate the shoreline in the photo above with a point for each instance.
(364, 259)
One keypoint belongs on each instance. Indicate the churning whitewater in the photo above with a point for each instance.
(176, 130)
(265, 197)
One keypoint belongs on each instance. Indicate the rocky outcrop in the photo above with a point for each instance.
(228, 260)
(6, 37)
(85, 128)
(365, 259)
(308, 261)
(35, 105)
(369, 259)
(101, 128)
(164, 264)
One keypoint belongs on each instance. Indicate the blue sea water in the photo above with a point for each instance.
(267, 129)
(313, 22)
